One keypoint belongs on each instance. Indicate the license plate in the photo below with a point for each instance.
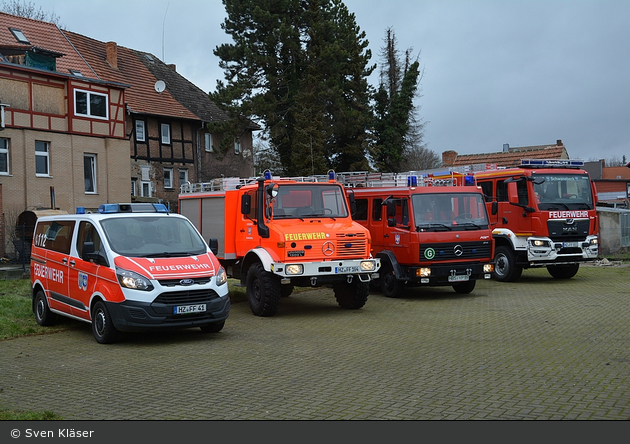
(458, 278)
(347, 269)
(569, 244)
(183, 309)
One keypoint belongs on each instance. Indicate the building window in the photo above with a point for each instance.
(42, 158)
(237, 147)
(90, 104)
(19, 35)
(209, 142)
(134, 192)
(166, 133)
(4, 156)
(89, 172)
(183, 177)
(140, 131)
(168, 177)
(145, 189)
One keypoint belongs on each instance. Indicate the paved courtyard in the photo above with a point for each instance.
(537, 349)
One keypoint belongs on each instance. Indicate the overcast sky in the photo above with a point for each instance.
(521, 72)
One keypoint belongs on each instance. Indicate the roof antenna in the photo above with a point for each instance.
(164, 21)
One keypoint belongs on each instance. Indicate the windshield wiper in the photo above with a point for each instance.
(433, 225)
(552, 207)
(469, 224)
(172, 254)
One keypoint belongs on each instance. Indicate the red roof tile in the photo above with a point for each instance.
(509, 158)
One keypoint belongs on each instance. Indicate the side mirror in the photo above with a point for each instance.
(512, 193)
(353, 203)
(272, 190)
(214, 245)
(88, 253)
(494, 208)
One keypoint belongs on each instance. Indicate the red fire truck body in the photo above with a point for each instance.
(427, 229)
(543, 215)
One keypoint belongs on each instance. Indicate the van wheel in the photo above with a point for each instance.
(102, 326)
(563, 271)
(215, 327)
(43, 315)
(464, 287)
(263, 291)
(390, 286)
(505, 268)
(351, 295)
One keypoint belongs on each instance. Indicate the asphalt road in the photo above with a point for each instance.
(537, 349)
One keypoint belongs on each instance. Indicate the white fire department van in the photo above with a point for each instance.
(129, 267)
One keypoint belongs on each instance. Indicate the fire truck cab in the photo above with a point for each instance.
(543, 215)
(428, 229)
(274, 233)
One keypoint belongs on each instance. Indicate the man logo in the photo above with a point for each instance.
(328, 248)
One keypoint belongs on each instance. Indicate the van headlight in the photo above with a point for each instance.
(133, 280)
(221, 277)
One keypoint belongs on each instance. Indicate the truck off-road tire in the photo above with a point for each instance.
(43, 315)
(505, 268)
(390, 286)
(464, 287)
(263, 291)
(215, 327)
(563, 271)
(286, 290)
(102, 326)
(353, 295)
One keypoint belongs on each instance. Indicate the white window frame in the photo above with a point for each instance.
(237, 146)
(45, 155)
(140, 131)
(4, 154)
(146, 189)
(183, 177)
(92, 170)
(134, 191)
(165, 131)
(89, 111)
(208, 142)
(168, 177)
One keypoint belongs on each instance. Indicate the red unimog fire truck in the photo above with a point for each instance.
(427, 228)
(275, 233)
(543, 215)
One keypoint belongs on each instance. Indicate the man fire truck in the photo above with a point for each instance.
(276, 233)
(543, 215)
(428, 229)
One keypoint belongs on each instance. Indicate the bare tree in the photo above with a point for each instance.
(29, 10)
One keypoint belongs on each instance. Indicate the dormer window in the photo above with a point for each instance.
(19, 36)
(76, 72)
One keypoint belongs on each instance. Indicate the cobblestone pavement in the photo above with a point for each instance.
(537, 349)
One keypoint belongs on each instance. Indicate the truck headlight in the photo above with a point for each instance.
(221, 277)
(294, 269)
(488, 268)
(133, 280)
(423, 272)
(539, 243)
(368, 266)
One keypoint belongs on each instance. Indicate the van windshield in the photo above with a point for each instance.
(153, 236)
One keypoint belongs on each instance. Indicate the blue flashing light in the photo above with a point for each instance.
(80, 210)
(412, 181)
(552, 162)
(469, 180)
(331, 175)
(267, 175)
(108, 208)
(160, 208)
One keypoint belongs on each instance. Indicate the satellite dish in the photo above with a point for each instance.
(160, 86)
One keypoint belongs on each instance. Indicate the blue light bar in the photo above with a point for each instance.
(552, 162)
(469, 180)
(133, 208)
(412, 181)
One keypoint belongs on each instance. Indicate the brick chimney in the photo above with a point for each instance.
(448, 158)
(173, 66)
(112, 54)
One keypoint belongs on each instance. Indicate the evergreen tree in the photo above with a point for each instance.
(299, 68)
(398, 132)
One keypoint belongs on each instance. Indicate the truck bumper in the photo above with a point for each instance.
(448, 274)
(543, 250)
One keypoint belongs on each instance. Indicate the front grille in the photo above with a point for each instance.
(186, 297)
(176, 282)
(351, 244)
(447, 251)
(560, 231)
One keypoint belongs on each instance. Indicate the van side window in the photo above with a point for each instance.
(377, 209)
(87, 233)
(362, 210)
(54, 235)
